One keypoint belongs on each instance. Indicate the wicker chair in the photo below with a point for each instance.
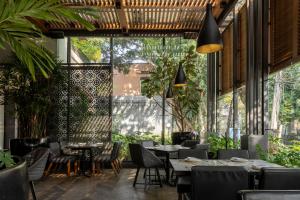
(57, 159)
(101, 161)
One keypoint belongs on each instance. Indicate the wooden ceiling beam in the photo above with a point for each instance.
(121, 16)
(119, 32)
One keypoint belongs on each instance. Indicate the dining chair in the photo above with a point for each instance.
(190, 143)
(203, 146)
(147, 143)
(218, 182)
(184, 182)
(37, 160)
(280, 179)
(112, 159)
(143, 158)
(57, 158)
(269, 194)
(229, 153)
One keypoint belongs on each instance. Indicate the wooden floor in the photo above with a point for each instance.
(100, 187)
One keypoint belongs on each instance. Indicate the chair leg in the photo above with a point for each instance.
(136, 175)
(32, 190)
(75, 167)
(93, 168)
(69, 168)
(114, 168)
(180, 195)
(158, 175)
(48, 169)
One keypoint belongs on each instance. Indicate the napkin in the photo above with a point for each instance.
(236, 159)
(191, 159)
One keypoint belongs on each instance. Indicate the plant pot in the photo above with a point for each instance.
(179, 137)
(14, 183)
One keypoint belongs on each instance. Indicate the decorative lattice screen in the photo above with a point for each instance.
(82, 112)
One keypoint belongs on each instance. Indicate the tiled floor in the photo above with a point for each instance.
(105, 186)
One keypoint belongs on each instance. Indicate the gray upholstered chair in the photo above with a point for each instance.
(147, 143)
(280, 179)
(143, 158)
(36, 166)
(229, 153)
(218, 182)
(190, 143)
(196, 153)
(269, 194)
(203, 146)
(184, 182)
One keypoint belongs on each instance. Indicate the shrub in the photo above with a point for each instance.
(126, 139)
(281, 154)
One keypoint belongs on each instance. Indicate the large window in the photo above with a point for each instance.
(284, 102)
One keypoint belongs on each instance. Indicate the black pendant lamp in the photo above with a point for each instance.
(209, 39)
(170, 94)
(180, 79)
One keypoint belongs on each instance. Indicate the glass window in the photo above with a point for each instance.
(284, 102)
(90, 50)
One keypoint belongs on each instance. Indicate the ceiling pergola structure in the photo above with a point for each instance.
(141, 18)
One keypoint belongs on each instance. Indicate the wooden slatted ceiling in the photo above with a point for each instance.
(142, 14)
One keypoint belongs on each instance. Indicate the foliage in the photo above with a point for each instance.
(19, 32)
(6, 159)
(217, 142)
(32, 99)
(279, 153)
(290, 85)
(135, 138)
(187, 101)
(89, 48)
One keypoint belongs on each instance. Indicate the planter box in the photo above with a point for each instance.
(250, 142)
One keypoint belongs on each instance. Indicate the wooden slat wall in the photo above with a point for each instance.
(227, 61)
(242, 43)
(282, 34)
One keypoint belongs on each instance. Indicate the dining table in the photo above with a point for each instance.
(84, 148)
(183, 167)
(167, 150)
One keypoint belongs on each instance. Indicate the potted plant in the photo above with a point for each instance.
(13, 176)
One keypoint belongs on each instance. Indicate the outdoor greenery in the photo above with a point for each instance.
(280, 153)
(284, 100)
(6, 159)
(19, 32)
(217, 142)
(135, 138)
(187, 101)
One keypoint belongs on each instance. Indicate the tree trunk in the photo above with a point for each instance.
(276, 102)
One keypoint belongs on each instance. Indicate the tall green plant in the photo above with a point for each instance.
(19, 32)
(32, 99)
(187, 101)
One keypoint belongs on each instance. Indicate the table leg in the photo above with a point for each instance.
(167, 167)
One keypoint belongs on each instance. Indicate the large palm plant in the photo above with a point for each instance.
(24, 38)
